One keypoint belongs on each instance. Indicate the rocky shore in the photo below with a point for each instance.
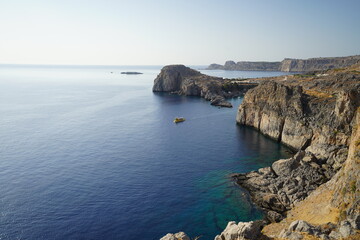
(289, 65)
(182, 80)
(316, 193)
(317, 116)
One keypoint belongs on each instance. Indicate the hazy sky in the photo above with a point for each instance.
(158, 32)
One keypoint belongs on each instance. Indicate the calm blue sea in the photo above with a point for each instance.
(90, 154)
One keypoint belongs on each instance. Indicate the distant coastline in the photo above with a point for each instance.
(289, 65)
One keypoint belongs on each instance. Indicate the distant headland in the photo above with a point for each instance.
(289, 65)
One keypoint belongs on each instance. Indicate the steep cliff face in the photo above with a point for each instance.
(318, 117)
(299, 119)
(171, 78)
(332, 211)
(313, 118)
(347, 182)
(277, 111)
(186, 81)
(290, 65)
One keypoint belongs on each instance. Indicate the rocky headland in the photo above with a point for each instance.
(316, 193)
(316, 115)
(290, 65)
(182, 80)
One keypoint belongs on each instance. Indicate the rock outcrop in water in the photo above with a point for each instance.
(182, 80)
(176, 236)
(290, 65)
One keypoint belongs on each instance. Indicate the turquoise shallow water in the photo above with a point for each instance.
(89, 154)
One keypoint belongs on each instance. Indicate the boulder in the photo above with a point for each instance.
(302, 226)
(355, 221)
(345, 229)
(334, 235)
(273, 216)
(285, 234)
(241, 231)
(285, 166)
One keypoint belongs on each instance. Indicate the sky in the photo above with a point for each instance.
(160, 32)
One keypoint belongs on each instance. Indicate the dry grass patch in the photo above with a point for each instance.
(316, 210)
(318, 94)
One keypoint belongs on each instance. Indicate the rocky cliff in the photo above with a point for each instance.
(316, 116)
(290, 65)
(183, 80)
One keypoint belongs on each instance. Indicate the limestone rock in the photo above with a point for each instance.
(277, 111)
(345, 229)
(221, 102)
(170, 78)
(334, 235)
(273, 216)
(285, 234)
(176, 236)
(241, 231)
(355, 221)
(302, 226)
(285, 166)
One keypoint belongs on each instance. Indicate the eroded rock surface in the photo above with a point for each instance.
(176, 236)
(316, 125)
(241, 231)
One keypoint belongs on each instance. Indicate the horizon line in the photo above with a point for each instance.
(114, 65)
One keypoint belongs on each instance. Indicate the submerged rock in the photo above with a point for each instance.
(176, 236)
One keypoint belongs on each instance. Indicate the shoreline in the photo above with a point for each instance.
(302, 112)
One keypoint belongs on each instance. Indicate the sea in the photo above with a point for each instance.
(89, 153)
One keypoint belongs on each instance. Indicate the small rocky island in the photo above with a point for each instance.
(316, 193)
(182, 80)
(131, 73)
